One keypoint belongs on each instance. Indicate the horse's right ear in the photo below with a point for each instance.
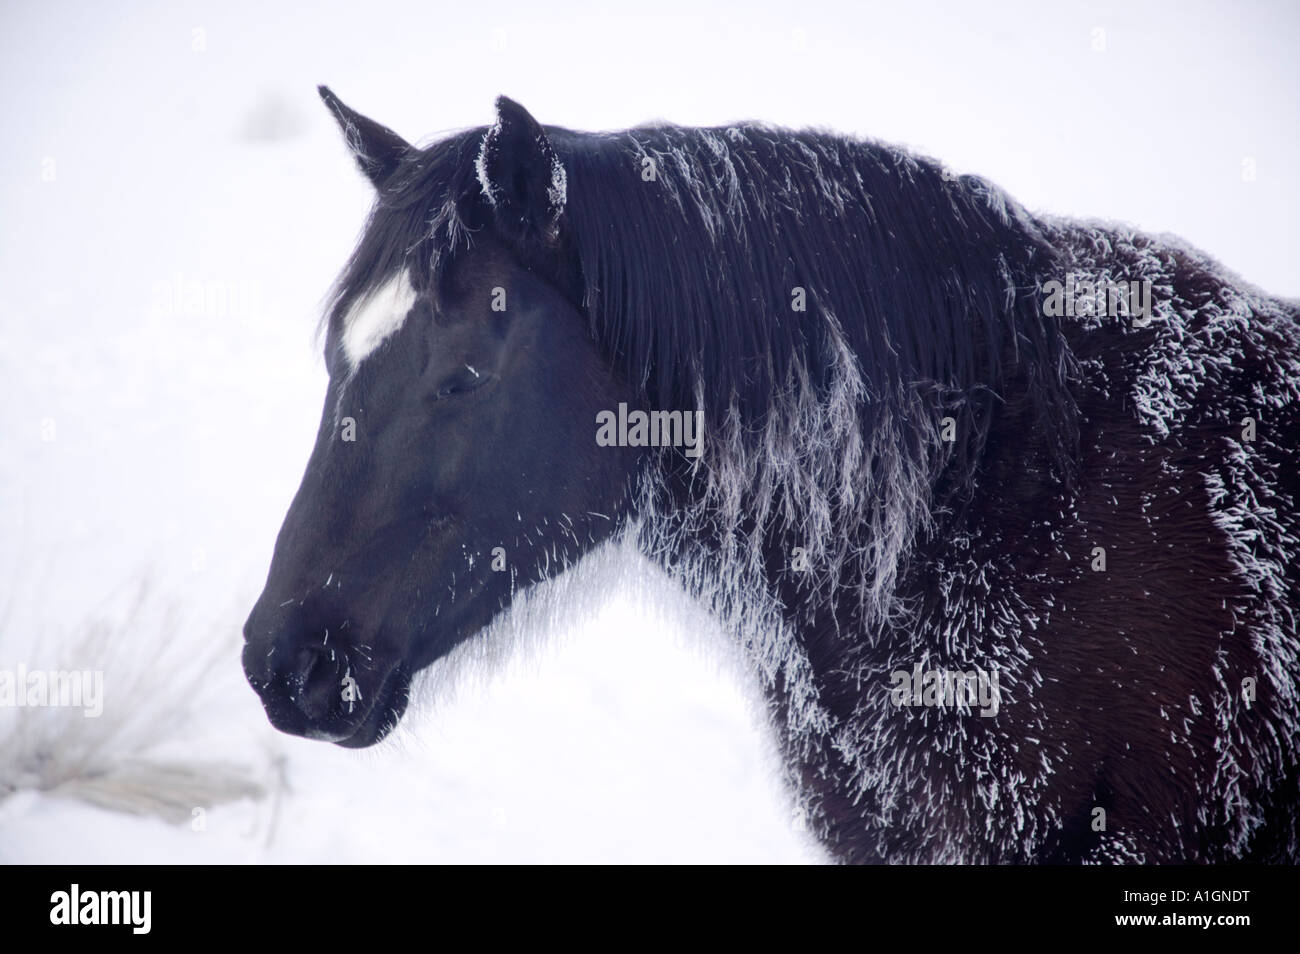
(377, 149)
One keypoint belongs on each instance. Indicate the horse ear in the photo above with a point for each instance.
(377, 149)
(520, 174)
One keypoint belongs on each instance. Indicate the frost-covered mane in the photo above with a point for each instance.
(825, 302)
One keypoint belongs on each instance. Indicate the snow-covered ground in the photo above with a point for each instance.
(174, 203)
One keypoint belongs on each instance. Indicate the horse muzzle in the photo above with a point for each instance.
(330, 693)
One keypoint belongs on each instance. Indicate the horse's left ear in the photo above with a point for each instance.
(521, 177)
(377, 149)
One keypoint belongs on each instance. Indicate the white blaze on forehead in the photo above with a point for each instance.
(376, 315)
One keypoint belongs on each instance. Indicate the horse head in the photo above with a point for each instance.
(456, 461)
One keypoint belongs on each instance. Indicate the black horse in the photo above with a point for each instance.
(1001, 509)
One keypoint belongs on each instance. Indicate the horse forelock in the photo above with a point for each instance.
(414, 229)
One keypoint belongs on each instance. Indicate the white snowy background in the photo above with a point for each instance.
(150, 441)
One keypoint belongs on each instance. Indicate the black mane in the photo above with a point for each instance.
(687, 279)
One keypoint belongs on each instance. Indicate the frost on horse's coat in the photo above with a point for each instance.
(908, 465)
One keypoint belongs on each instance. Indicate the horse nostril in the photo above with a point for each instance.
(314, 682)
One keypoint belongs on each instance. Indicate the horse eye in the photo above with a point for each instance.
(466, 379)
